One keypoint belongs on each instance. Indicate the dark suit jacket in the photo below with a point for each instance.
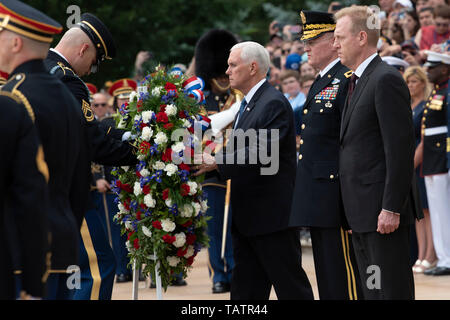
(261, 203)
(376, 161)
(317, 199)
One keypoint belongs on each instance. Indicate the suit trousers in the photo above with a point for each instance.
(384, 264)
(265, 260)
(335, 264)
(438, 193)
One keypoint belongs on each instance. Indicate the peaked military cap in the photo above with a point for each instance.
(92, 88)
(99, 35)
(122, 88)
(20, 18)
(316, 23)
(211, 54)
(436, 58)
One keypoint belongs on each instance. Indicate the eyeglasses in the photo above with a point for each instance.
(441, 24)
(99, 105)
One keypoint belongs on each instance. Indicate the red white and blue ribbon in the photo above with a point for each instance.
(193, 87)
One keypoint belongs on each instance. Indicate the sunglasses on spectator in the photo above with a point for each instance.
(99, 105)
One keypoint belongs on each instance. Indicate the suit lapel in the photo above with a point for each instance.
(251, 104)
(360, 85)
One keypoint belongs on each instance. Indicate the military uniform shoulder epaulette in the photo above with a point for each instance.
(11, 89)
(63, 70)
(348, 74)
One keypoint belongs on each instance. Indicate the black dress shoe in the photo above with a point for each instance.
(437, 271)
(178, 282)
(220, 287)
(123, 278)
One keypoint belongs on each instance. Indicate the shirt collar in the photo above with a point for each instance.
(253, 90)
(328, 67)
(360, 70)
(59, 53)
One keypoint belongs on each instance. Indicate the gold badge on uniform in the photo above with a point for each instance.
(302, 16)
(87, 111)
(437, 102)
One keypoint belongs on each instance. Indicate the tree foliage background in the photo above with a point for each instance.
(170, 28)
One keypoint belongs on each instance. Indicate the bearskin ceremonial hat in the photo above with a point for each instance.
(211, 54)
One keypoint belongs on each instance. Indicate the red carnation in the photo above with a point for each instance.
(162, 117)
(181, 252)
(165, 194)
(138, 215)
(187, 225)
(143, 125)
(144, 147)
(167, 155)
(139, 105)
(162, 108)
(190, 239)
(169, 239)
(157, 225)
(181, 114)
(184, 166)
(184, 190)
(170, 86)
(190, 260)
(126, 187)
(130, 234)
(146, 189)
(143, 206)
(136, 243)
(138, 174)
(168, 126)
(126, 204)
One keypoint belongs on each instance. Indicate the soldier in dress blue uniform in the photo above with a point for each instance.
(211, 55)
(23, 194)
(26, 34)
(317, 201)
(434, 165)
(79, 52)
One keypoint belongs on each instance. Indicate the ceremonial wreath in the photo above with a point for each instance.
(161, 204)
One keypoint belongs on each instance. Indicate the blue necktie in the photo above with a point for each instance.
(241, 110)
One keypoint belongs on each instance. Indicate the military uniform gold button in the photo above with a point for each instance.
(301, 141)
(305, 111)
(321, 110)
(438, 144)
(300, 157)
(425, 111)
(331, 176)
(303, 126)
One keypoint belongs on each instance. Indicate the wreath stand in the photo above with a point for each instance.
(136, 280)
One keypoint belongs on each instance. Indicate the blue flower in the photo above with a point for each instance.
(154, 149)
(144, 181)
(148, 213)
(174, 210)
(133, 205)
(157, 176)
(140, 166)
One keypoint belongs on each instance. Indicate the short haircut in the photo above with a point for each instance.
(254, 52)
(307, 77)
(362, 17)
(442, 11)
(289, 73)
(431, 9)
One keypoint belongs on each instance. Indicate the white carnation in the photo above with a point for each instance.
(180, 240)
(129, 245)
(125, 168)
(144, 172)
(204, 205)
(173, 261)
(147, 116)
(171, 110)
(171, 169)
(146, 231)
(159, 165)
(137, 189)
(160, 138)
(190, 252)
(121, 208)
(156, 91)
(186, 211)
(133, 95)
(137, 117)
(149, 201)
(169, 202)
(146, 133)
(168, 225)
(177, 147)
(197, 208)
(141, 157)
(192, 187)
(128, 225)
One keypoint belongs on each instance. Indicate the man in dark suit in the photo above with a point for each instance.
(376, 164)
(266, 251)
(317, 200)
